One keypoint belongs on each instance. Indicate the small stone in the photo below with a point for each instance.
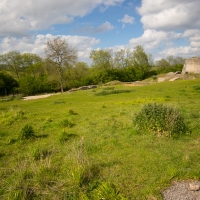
(194, 187)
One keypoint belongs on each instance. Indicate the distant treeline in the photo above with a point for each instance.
(29, 74)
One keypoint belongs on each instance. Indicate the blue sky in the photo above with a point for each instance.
(162, 27)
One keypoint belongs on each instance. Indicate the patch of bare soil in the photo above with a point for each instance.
(37, 97)
(136, 83)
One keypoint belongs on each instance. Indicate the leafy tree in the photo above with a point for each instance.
(163, 63)
(7, 83)
(102, 59)
(32, 63)
(122, 58)
(77, 74)
(29, 85)
(140, 61)
(13, 60)
(61, 54)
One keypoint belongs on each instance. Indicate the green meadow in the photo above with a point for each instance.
(84, 145)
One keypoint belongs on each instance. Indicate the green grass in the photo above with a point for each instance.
(87, 147)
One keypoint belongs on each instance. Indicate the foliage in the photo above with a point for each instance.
(7, 84)
(13, 60)
(162, 120)
(26, 132)
(30, 85)
(102, 59)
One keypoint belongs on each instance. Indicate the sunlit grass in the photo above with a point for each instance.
(87, 146)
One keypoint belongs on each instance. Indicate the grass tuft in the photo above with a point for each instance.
(26, 132)
(162, 120)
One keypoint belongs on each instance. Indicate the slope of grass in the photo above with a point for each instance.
(86, 146)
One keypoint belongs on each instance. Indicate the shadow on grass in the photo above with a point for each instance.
(41, 136)
(64, 137)
(2, 155)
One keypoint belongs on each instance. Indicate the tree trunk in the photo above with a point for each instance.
(61, 82)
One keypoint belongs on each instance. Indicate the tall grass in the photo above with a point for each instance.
(87, 146)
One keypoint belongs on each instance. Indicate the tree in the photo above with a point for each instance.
(31, 63)
(102, 59)
(140, 61)
(13, 60)
(163, 63)
(61, 54)
(7, 83)
(122, 58)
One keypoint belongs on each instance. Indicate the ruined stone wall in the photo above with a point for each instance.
(192, 65)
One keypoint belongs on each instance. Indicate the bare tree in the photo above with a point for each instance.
(60, 53)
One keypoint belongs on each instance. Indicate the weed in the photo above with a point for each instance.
(39, 153)
(66, 123)
(106, 190)
(10, 141)
(72, 112)
(26, 132)
(64, 136)
(163, 120)
(196, 87)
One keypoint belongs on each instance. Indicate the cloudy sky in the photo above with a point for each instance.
(162, 27)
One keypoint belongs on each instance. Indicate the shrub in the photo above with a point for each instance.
(26, 132)
(160, 119)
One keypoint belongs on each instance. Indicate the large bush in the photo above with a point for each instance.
(161, 119)
(7, 84)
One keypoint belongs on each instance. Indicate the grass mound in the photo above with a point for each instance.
(160, 119)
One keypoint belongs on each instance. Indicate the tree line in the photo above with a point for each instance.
(59, 70)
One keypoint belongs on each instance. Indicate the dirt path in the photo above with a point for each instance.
(37, 97)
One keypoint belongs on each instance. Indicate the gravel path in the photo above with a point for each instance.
(181, 190)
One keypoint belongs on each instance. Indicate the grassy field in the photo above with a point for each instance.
(85, 145)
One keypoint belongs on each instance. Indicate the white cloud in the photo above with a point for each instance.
(183, 51)
(152, 38)
(107, 26)
(194, 37)
(127, 19)
(170, 14)
(36, 45)
(17, 18)
(190, 32)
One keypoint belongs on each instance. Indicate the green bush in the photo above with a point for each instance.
(26, 132)
(160, 119)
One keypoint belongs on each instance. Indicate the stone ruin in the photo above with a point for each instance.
(192, 66)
